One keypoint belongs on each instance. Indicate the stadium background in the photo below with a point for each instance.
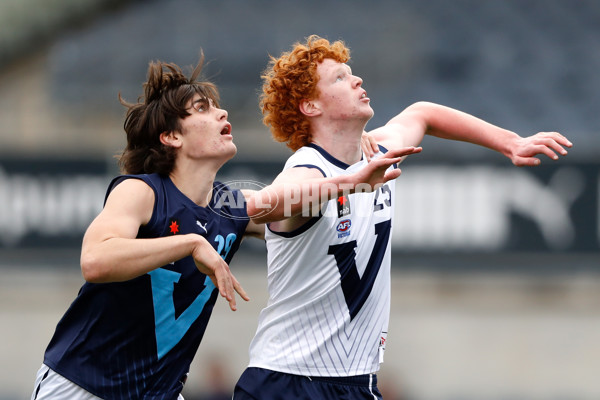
(495, 278)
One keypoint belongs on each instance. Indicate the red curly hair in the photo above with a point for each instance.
(290, 79)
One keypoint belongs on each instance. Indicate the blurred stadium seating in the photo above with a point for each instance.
(527, 65)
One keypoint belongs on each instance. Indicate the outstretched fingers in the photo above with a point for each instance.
(228, 285)
(550, 144)
(393, 174)
(210, 263)
(403, 152)
(560, 139)
(527, 161)
(239, 289)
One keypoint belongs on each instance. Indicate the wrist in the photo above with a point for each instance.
(346, 184)
(508, 147)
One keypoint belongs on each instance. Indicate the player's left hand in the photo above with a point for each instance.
(210, 263)
(548, 143)
(369, 145)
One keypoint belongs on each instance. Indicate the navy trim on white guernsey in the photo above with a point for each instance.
(136, 339)
(303, 228)
(384, 150)
(298, 231)
(311, 166)
(328, 156)
(329, 289)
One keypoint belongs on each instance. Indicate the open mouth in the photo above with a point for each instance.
(226, 130)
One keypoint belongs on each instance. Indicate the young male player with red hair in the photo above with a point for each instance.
(322, 334)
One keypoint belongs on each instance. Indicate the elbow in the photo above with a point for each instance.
(421, 107)
(92, 268)
(259, 214)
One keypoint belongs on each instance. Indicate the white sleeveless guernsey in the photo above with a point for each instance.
(329, 283)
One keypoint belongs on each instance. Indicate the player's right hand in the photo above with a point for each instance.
(375, 173)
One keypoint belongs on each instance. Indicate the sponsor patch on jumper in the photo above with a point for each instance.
(343, 206)
(343, 228)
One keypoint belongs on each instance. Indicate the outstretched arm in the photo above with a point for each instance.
(299, 192)
(410, 126)
(253, 229)
(111, 252)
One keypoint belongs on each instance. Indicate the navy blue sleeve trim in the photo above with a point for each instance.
(310, 166)
(118, 179)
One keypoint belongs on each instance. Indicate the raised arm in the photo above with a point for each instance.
(410, 126)
(298, 193)
(112, 253)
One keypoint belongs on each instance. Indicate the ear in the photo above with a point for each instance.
(310, 108)
(170, 138)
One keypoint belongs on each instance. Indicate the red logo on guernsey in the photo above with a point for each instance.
(343, 206)
(174, 227)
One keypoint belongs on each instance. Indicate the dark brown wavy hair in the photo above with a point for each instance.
(161, 108)
(291, 78)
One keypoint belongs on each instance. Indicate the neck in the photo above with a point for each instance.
(343, 143)
(195, 182)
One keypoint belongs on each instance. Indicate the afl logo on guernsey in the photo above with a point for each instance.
(343, 228)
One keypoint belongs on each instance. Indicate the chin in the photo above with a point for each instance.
(232, 152)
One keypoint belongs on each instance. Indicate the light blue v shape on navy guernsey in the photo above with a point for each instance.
(136, 339)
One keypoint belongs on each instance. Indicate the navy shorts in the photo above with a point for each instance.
(264, 384)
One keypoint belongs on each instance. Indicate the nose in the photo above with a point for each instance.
(358, 81)
(223, 114)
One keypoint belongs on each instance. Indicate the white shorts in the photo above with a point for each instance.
(51, 386)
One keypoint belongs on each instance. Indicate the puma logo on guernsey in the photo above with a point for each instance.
(202, 226)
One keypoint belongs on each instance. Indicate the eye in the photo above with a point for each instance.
(201, 106)
(339, 78)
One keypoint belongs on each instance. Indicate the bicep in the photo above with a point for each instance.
(127, 207)
(404, 130)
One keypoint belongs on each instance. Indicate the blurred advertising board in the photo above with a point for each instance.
(438, 207)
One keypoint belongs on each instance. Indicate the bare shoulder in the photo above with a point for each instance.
(132, 197)
(133, 190)
(404, 130)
